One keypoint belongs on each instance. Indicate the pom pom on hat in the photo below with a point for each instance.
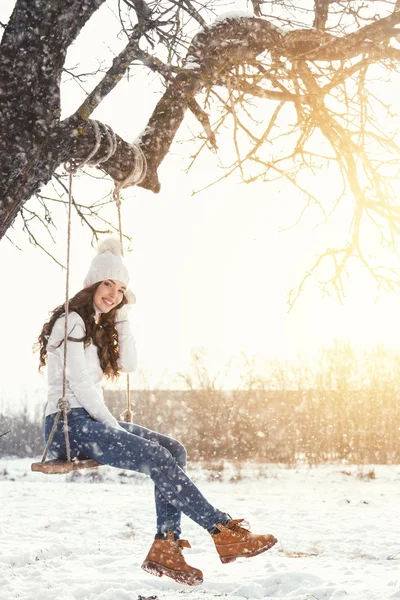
(108, 264)
(110, 244)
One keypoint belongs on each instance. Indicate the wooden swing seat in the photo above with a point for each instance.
(59, 467)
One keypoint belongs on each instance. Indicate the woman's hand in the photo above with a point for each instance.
(122, 314)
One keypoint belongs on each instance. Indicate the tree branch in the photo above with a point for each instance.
(321, 8)
(364, 39)
(213, 58)
(203, 118)
(115, 73)
(259, 92)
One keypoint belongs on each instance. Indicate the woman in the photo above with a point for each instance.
(100, 343)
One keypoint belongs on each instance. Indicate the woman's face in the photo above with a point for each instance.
(108, 295)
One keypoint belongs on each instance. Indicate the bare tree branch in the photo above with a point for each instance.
(321, 8)
(317, 70)
(115, 73)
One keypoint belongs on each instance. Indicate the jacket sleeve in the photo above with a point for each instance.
(78, 378)
(127, 346)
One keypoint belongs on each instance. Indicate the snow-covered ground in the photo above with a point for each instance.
(339, 535)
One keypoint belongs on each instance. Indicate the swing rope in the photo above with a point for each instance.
(63, 403)
(136, 175)
(127, 414)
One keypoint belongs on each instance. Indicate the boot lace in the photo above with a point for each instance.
(178, 545)
(239, 527)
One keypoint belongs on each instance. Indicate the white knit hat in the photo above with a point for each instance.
(108, 264)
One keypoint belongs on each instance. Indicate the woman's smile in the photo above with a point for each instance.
(108, 302)
(109, 294)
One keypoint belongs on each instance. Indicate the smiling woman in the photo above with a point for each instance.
(108, 269)
(108, 295)
(90, 337)
(99, 338)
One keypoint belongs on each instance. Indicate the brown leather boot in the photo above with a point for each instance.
(165, 558)
(234, 541)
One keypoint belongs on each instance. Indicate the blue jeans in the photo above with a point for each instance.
(139, 449)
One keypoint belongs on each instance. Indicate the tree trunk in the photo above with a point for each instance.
(32, 56)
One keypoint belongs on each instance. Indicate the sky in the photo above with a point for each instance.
(210, 271)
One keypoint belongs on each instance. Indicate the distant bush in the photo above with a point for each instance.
(345, 408)
(25, 437)
(273, 426)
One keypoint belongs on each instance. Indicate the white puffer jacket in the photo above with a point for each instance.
(84, 374)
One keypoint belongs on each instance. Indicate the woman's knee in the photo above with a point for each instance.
(179, 453)
(163, 456)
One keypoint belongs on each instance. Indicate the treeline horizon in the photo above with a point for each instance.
(344, 408)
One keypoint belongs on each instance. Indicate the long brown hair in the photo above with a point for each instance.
(102, 334)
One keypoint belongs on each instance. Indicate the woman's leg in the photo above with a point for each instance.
(168, 516)
(124, 450)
